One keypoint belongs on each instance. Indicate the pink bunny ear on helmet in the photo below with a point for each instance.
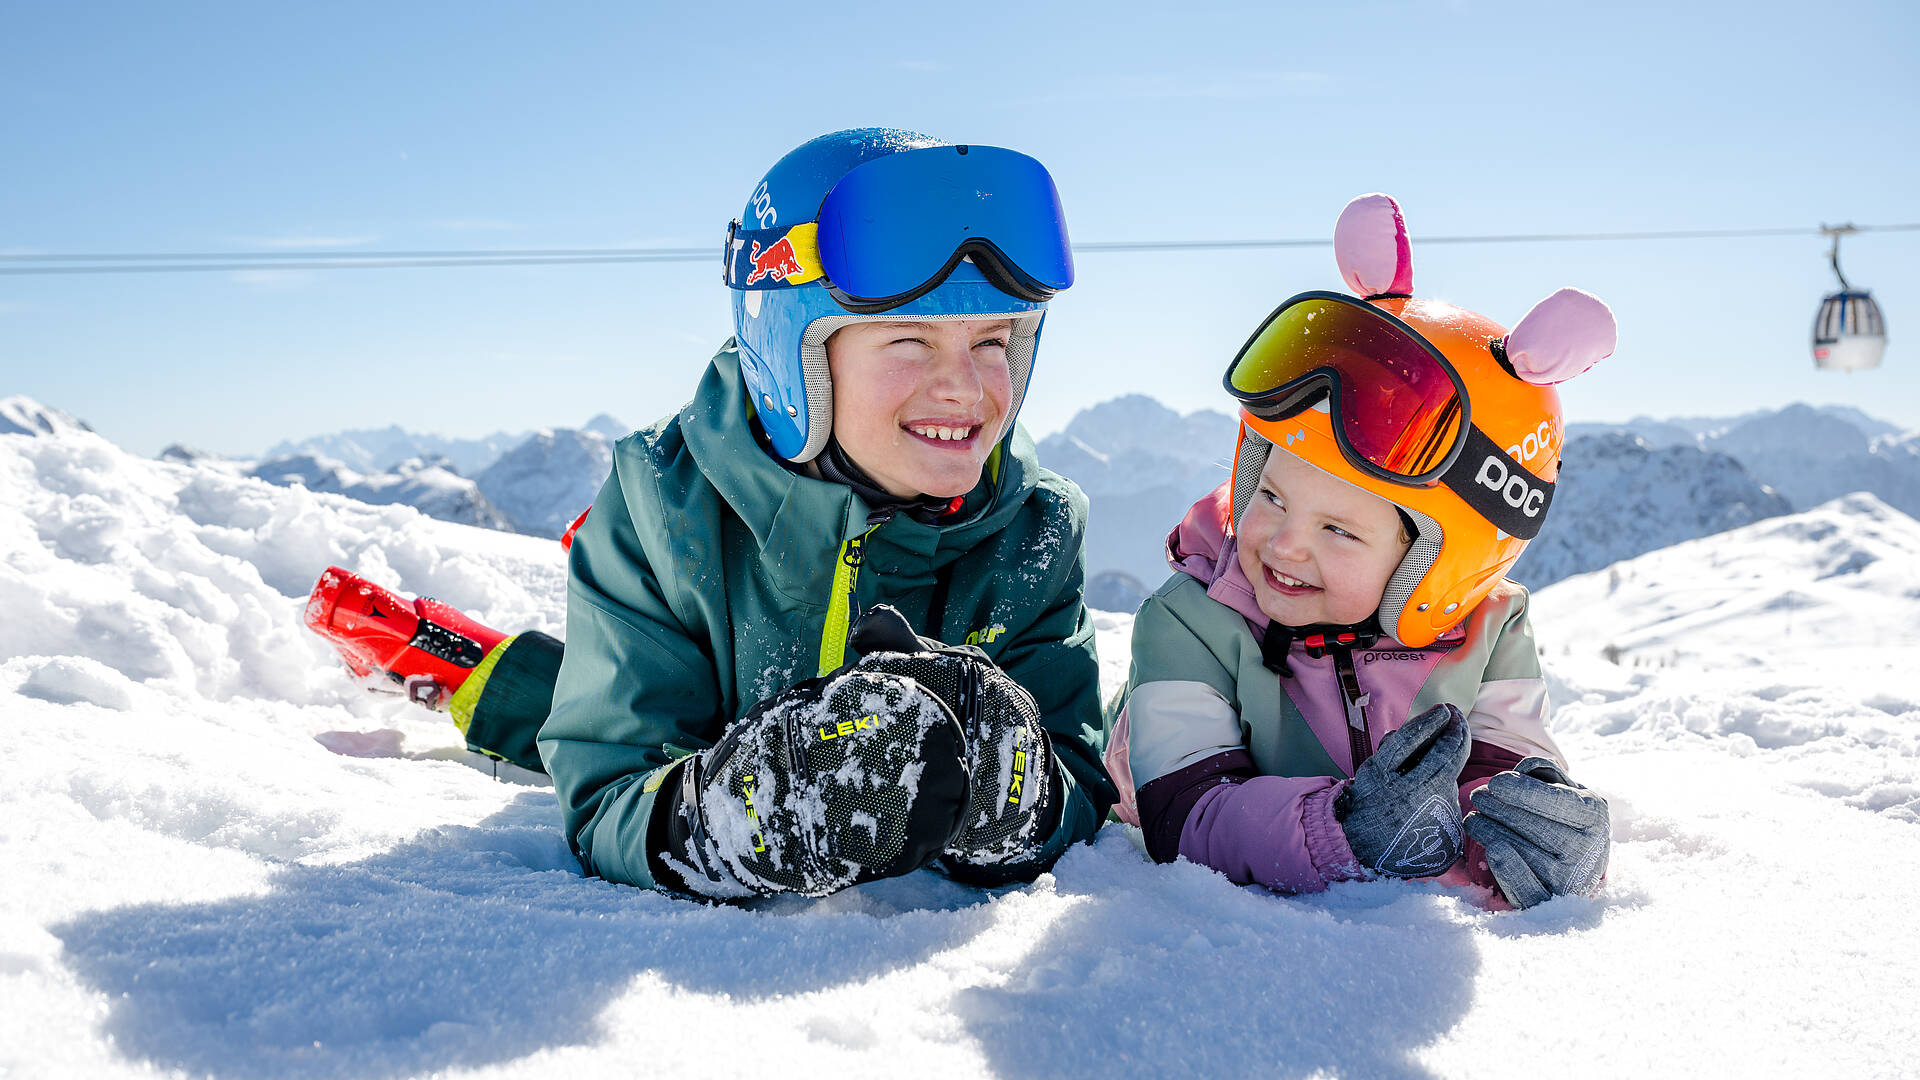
(1370, 244)
(1562, 336)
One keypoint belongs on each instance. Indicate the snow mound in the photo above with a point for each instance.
(1789, 641)
(224, 859)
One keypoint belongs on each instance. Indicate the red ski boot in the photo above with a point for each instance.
(422, 648)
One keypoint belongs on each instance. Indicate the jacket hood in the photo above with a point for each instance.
(1202, 548)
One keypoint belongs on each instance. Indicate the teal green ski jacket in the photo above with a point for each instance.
(709, 576)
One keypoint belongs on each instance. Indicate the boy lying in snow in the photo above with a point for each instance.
(1338, 668)
(853, 445)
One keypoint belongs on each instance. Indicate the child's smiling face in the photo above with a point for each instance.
(1317, 549)
(920, 405)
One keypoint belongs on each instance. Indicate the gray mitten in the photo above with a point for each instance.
(1545, 835)
(1401, 814)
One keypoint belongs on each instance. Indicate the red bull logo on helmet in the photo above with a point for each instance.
(777, 261)
(793, 259)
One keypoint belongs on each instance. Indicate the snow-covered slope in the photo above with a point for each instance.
(431, 486)
(221, 858)
(547, 480)
(1617, 497)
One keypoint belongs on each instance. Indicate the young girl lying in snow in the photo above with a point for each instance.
(1338, 668)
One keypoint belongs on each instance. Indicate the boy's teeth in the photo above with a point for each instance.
(944, 434)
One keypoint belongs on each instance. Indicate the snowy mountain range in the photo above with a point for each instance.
(533, 483)
(1142, 465)
(1618, 497)
(551, 476)
(431, 485)
(223, 858)
(1625, 488)
(374, 450)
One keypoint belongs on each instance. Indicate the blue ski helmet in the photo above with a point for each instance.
(874, 224)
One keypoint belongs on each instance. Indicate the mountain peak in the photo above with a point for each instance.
(604, 424)
(21, 415)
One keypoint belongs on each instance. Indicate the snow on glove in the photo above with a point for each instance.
(1545, 835)
(1401, 813)
(1012, 806)
(850, 777)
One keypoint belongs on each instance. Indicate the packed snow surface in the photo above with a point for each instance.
(222, 858)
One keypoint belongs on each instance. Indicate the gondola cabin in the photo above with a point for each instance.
(1848, 333)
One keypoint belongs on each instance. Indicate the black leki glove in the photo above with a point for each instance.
(1013, 807)
(851, 777)
(1401, 814)
(1545, 835)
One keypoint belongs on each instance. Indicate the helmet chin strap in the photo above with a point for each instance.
(1321, 639)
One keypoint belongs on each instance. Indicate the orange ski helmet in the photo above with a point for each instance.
(1434, 408)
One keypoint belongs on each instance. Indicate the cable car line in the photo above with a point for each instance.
(701, 252)
(353, 264)
(191, 262)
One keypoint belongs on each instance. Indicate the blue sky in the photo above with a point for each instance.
(217, 127)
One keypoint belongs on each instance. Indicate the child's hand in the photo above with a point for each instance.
(1402, 812)
(1013, 804)
(842, 779)
(1545, 835)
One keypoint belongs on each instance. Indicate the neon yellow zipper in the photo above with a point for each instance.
(846, 578)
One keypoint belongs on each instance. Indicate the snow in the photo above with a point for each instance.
(223, 858)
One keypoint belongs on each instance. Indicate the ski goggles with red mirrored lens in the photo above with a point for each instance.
(1400, 412)
(892, 229)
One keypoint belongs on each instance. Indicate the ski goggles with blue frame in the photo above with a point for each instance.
(892, 229)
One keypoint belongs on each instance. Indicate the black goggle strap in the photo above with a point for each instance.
(772, 258)
(1001, 272)
(1497, 487)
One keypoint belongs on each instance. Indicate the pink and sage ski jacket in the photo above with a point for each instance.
(1222, 760)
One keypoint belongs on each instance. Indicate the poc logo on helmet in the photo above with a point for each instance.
(1512, 484)
(1535, 442)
